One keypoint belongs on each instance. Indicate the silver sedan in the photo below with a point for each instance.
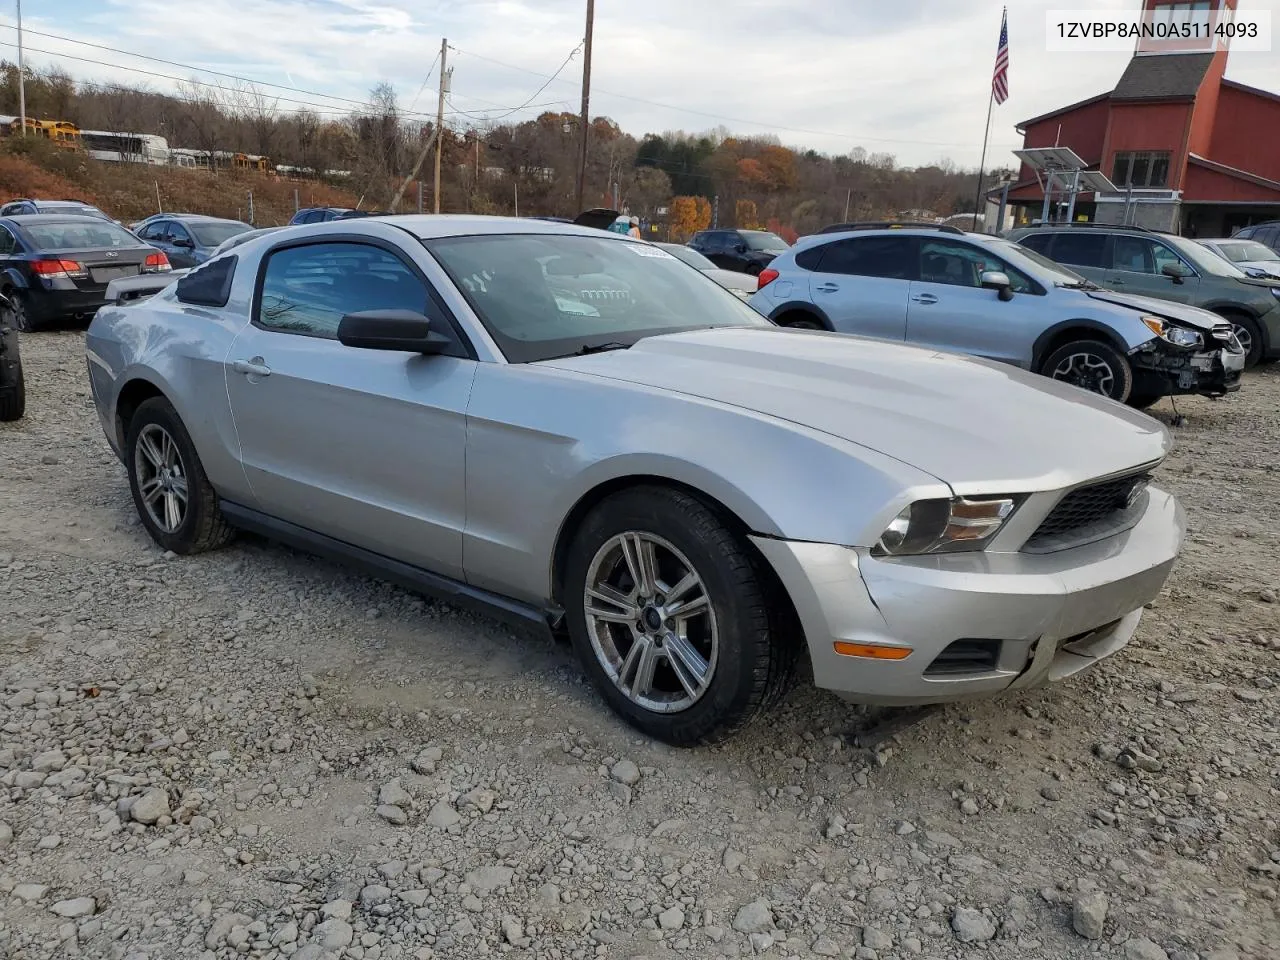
(576, 430)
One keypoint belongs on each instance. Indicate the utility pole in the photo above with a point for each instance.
(444, 52)
(586, 101)
(848, 195)
(22, 78)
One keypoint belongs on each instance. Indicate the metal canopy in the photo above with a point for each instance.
(1067, 168)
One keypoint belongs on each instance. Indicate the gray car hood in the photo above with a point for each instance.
(972, 423)
(1168, 309)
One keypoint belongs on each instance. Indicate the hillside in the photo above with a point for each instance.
(35, 168)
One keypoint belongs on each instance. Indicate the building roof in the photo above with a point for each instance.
(1165, 77)
(1233, 172)
(1021, 127)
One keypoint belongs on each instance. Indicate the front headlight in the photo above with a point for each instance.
(1178, 336)
(944, 526)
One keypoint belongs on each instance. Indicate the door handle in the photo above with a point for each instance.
(828, 287)
(257, 367)
(925, 298)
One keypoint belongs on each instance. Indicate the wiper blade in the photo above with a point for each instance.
(588, 348)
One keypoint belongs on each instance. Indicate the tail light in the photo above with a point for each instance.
(767, 276)
(59, 269)
(156, 262)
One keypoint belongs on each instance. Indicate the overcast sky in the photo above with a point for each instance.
(910, 77)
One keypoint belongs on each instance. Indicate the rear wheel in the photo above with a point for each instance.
(19, 311)
(1091, 365)
(670, 614)
(800, 321)
(174, 498)
(1249, 334)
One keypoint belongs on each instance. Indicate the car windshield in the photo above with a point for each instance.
(1200, 258)
(212, 234)
(690, 256)
(1242, 251)
(543, 296)
(760, 240)
(82, 235)
(1037, 263)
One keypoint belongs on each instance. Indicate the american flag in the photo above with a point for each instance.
(1000, 81)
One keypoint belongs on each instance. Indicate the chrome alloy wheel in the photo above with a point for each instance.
(1244, 336)
(1086, 370)
(162, 478)
(650, 622)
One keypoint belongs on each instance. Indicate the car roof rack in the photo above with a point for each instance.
(1090, 225)
(890, 225)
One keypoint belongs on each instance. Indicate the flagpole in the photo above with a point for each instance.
(982, 164)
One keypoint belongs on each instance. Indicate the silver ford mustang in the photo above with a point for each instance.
(577, 430)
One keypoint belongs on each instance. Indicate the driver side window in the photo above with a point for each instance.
(308, 289)
(962, 265)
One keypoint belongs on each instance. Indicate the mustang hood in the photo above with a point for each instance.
(975, 424)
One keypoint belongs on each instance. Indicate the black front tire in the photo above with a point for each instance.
(202, 525)
(757, 651)
(1091, 365)
(20, 310)
(13, 386)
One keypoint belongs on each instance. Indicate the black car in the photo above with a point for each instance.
(747, 251)
(23, 206)
(325, 214)
(1267, 234)
(57, 267)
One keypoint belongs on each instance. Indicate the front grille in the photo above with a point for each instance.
(1089, 505)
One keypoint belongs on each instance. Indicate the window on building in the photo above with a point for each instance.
(1141, 168)
(1182, 12)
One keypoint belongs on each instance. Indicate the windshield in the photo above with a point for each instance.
(1241, 251)
(690, 256)
(760, 240)
(544, 296)
(1202, 259)
(81, 235)
(212, 234)
(1057, 273)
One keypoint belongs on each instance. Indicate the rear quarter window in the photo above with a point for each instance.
(208, 285)
(811, 258)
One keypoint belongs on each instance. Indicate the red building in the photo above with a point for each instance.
(1188, 150)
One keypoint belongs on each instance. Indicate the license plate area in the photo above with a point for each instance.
(107, 274)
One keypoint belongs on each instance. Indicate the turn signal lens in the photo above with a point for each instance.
(767, 276)
(871, 651)
(58, 269)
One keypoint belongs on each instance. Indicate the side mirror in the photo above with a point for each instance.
(405, 330)
(998, 280)
(1176, 271)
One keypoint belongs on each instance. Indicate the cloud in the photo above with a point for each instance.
(911, 77)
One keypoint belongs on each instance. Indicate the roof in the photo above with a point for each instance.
(1233, 172)
(29, 219)
(1061, 110)
(1168, 77)
(432, 226)
(1245, 88)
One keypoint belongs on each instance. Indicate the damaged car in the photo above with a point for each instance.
(937, 286)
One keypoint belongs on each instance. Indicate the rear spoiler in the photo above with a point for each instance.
(131, 289)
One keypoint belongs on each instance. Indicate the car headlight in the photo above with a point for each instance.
(943, 526)
(1178, 336)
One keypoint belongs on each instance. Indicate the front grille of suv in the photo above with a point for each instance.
(1087, 506)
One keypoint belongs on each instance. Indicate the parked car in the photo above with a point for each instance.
(1267, 233)
(940, 287)
(189, 238)
(236, 239)
(1254, 258)
(745, 251)
(697, 497)
(13, 388)
(57, 267)
(1153, 264)
(325, 214)
(23, 207)
(736, 283)
(131, 289)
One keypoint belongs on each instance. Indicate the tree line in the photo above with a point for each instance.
(679, 180)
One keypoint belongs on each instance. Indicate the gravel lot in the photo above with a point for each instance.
(256, 753)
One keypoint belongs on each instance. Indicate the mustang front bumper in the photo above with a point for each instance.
(975, 623)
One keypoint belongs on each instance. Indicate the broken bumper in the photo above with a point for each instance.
(1170, 372)
(973, 624)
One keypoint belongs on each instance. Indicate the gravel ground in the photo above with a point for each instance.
(256, 753)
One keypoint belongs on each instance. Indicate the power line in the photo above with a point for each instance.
(722, 118)
(425, 80)
(538, 92)
(175, 63)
